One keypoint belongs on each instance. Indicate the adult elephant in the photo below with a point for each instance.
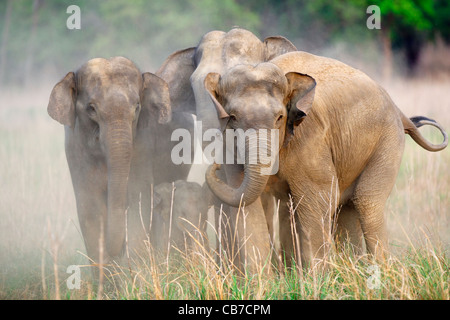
(340, 144)
(112, 113)
(185, 71)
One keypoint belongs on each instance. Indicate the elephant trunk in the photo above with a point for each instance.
(256, 175)
(119, 153)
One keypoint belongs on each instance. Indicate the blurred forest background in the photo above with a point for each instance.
(36, 45)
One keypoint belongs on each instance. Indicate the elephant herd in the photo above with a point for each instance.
(332, 162)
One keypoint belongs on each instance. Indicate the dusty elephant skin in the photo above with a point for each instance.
(111, 113)
(180, 212)
(341, 143)
(185, 71)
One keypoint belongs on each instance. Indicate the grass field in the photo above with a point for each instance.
(40, 237)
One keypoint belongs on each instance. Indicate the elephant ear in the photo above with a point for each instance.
(300, 98)
(61, 105)
(211, 83)
(155, 100)
(176, 71)
(276, 46)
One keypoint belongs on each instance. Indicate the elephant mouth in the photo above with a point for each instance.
(261, 161)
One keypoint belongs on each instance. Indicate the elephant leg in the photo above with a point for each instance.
(348, 228)
(373, 224)
(92, 213)
(222, 224)
(315, 208)
(139, 198)
(225, 242)
(289, 237)
(249, 229)
(268, 203)
(90, 185)
(272, 211)
(230, 231)
(315, 239)
(371, 193)
(138, 218)
(250, 238)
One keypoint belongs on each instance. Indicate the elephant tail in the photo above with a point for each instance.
(411, 126)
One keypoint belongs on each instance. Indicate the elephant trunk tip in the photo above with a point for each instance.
(235, 197)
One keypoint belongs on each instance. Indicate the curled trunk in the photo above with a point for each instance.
(253, 184)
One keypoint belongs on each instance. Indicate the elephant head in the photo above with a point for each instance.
(187, 204)
(217, 51)
(104, 104)
(257, 97)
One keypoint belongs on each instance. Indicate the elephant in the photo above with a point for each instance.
(180, 207)
(185, 72)
(112, 114)
(217, 51)
(341, 140)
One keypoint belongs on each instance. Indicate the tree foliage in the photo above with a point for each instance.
(35, 39)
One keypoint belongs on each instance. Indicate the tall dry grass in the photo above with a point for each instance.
(40, 236)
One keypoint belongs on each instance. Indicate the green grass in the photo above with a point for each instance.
(419, 273)
(40, 237)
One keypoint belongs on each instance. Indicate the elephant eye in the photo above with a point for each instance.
(137, 108)
(90, 109)
(279, 118)
(232, 117)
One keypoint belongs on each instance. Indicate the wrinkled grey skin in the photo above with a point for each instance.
(188, 211)
(164, 168)
(111, 113)
(341, 143)
(185, 71)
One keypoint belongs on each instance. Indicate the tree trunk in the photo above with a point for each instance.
(29, 62)
(386, 42)
(387, 54)
(4, 45)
